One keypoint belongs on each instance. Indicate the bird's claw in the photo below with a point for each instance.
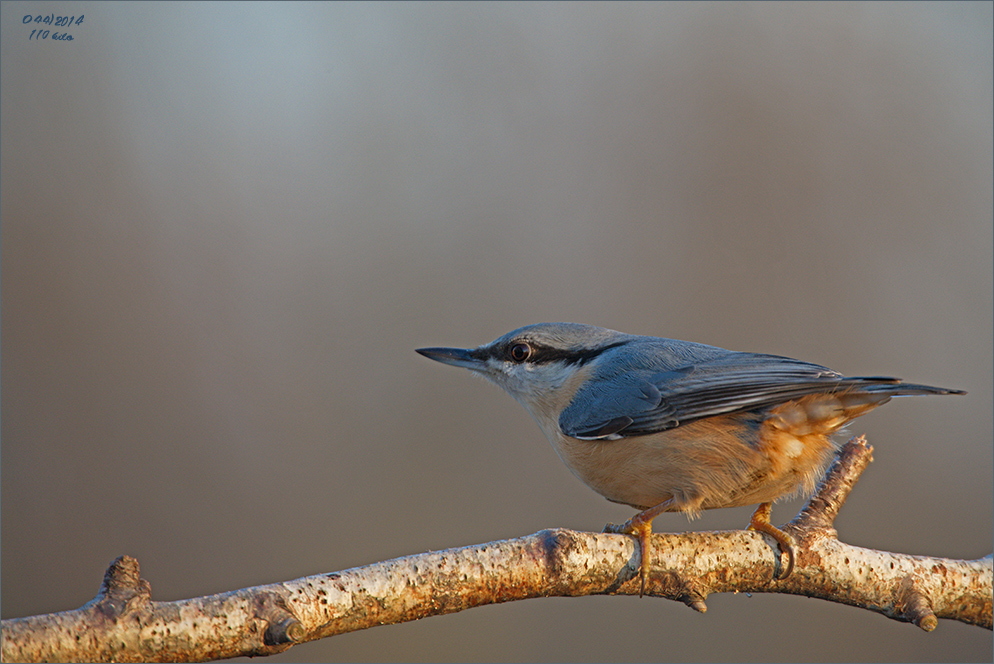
(760, 522)
(642, 531)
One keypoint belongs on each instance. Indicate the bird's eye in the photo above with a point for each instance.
(520, 352)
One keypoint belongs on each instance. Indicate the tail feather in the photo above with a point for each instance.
(894, 387)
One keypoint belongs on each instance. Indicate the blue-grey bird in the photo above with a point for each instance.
(666, 425)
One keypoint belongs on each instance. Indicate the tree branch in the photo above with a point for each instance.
(122, 622)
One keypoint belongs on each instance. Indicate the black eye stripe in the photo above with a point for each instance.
(541, 354)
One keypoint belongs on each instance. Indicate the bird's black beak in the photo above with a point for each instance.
(457, 357)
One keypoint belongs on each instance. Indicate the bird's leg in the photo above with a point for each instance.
(640, 526)
(760, 522)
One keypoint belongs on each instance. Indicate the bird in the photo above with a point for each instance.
(664, 425)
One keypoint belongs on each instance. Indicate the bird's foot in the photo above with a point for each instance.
(641, 528)
(760, 522)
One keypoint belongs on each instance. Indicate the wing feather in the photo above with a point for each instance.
(645, 401)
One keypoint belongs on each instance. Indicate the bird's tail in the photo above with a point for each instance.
(893, 387)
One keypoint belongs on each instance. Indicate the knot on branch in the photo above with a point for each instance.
(558, 547)
(282, 627)
(122, 591)
(694, 596)
(913, 606)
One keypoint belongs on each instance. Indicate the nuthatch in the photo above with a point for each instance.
(674, 426)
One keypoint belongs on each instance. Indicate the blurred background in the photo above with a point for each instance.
(226, 227)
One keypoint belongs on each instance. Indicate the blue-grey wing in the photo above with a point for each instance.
(646, 400)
